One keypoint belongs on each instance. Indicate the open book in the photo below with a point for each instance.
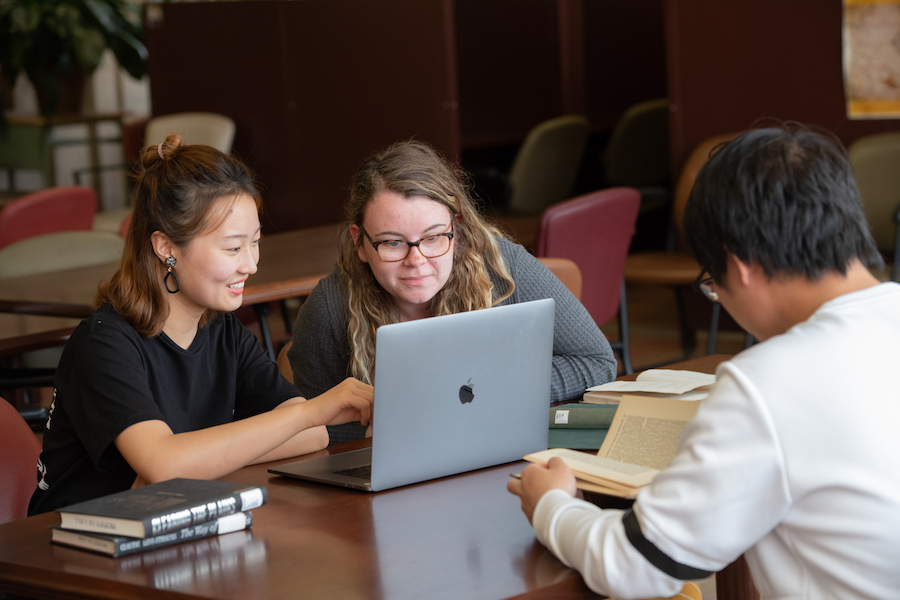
(660, 383)
(641, 442)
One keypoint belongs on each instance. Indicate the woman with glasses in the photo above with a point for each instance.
(415, 246)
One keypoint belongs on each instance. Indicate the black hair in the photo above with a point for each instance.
(785, 199)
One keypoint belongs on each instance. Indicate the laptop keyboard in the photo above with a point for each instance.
(361, 472)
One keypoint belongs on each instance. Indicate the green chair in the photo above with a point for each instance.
(547, 164)
(876, 165)
(26, 146)
(637, 153)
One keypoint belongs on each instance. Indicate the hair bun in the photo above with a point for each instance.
(169, 145)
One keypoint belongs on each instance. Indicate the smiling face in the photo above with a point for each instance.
(213, 267)
(415, 280)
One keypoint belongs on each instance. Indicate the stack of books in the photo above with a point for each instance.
(584, 425)
(642, 440)
(157, 515)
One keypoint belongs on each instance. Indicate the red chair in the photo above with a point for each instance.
(594, 231)
(20, 449)
(65, 208)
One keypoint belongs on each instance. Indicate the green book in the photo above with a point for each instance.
(578, 415)
(577, 439)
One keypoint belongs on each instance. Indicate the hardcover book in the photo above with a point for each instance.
(641, 442)
(120, 545)
(162, 507)
(576, 439)
(581, 415)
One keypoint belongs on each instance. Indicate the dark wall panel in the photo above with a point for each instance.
(733, 65)
(509, 68)
(313, 85)
(625, 56)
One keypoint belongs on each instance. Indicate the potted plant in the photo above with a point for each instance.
(58, 43)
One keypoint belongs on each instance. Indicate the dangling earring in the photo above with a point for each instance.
(170, 264)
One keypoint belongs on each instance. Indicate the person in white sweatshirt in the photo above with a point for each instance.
(794, 458)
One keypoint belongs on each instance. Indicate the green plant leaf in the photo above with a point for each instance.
(25, 19)
(48, 38)
(89, 45)
(121, 35)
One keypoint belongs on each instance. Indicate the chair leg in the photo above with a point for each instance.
(262, 313)
(688, 340)
(288, 326)
(623, 332)
(713, 328)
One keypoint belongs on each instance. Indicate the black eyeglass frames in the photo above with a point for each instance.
(431, 246)
(704, 285)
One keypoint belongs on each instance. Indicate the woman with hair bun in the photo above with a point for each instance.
(162, 380)
(414, 246)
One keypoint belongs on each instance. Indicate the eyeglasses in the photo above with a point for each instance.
(431, 246)
(703, 285)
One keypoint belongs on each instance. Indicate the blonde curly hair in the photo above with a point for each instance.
(416, 169)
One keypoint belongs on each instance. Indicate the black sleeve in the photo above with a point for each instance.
(104, 382)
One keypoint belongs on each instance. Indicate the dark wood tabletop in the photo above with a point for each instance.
(290, 264)
(455, 537)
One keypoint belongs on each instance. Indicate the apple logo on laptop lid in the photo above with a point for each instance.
(466, 394)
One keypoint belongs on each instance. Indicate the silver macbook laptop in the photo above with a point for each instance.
(452, 394)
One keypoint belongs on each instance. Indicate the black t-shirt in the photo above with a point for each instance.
(111, 377)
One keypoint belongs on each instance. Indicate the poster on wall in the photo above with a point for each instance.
(872, 58)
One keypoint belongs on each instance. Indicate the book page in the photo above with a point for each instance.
(616, 397)
(660, 381)
(646, 431)
(596, 469)
(588, 486)
(676, 375)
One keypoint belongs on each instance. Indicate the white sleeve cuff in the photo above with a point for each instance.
(546, 516)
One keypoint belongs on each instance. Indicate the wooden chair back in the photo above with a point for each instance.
(566, 271)
(284, 365)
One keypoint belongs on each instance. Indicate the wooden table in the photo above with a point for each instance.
(456, 537)
(291, 263)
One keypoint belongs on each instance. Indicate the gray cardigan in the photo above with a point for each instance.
(320, 355)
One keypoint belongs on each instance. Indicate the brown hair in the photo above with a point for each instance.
(415, 169)
(176, 187)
